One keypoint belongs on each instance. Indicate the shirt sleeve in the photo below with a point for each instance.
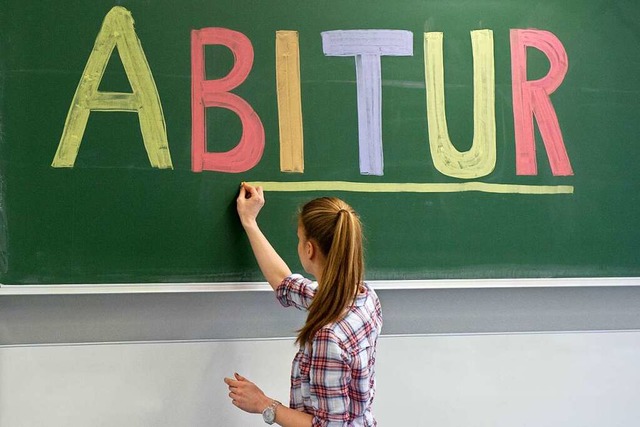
(329, 378)
(296, 291)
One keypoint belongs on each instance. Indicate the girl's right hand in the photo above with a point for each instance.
(249, 202)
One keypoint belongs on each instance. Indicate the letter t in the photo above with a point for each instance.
(368, 46)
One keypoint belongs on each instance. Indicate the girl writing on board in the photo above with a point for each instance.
(333, 373)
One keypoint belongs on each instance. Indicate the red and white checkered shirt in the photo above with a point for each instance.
(333, 376)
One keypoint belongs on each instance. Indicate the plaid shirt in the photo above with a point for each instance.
(333, 377)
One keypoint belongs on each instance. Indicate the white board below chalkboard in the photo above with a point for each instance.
(568, 379)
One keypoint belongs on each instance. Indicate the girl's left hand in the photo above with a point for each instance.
(246, 395)
(249, 203)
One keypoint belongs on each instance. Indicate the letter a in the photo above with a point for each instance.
(117, 31)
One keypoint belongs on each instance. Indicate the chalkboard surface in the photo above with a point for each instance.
(485, 139)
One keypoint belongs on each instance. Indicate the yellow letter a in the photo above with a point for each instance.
(117, 30)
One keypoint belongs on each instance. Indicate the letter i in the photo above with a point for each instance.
(289, 101)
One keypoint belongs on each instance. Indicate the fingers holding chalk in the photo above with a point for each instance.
(249, 202)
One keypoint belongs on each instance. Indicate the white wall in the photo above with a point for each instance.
(501, 380)
(532, 380)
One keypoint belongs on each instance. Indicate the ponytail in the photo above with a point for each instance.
(336, 228)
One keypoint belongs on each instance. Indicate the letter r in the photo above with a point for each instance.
(532, 98)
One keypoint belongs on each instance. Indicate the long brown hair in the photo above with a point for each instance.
(336, 228)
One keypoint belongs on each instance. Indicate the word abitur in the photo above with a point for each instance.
(531, 99)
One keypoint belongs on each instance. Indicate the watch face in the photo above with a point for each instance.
(269, 415)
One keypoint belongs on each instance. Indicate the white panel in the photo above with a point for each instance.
(569, 380)
(136, 385)
(534, 380)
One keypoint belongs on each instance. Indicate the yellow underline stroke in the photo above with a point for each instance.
(365, 187)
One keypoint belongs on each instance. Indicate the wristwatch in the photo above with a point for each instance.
(269, 413)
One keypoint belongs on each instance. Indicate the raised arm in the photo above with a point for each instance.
(249, 203)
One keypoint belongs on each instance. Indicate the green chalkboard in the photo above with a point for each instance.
(113, 216)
